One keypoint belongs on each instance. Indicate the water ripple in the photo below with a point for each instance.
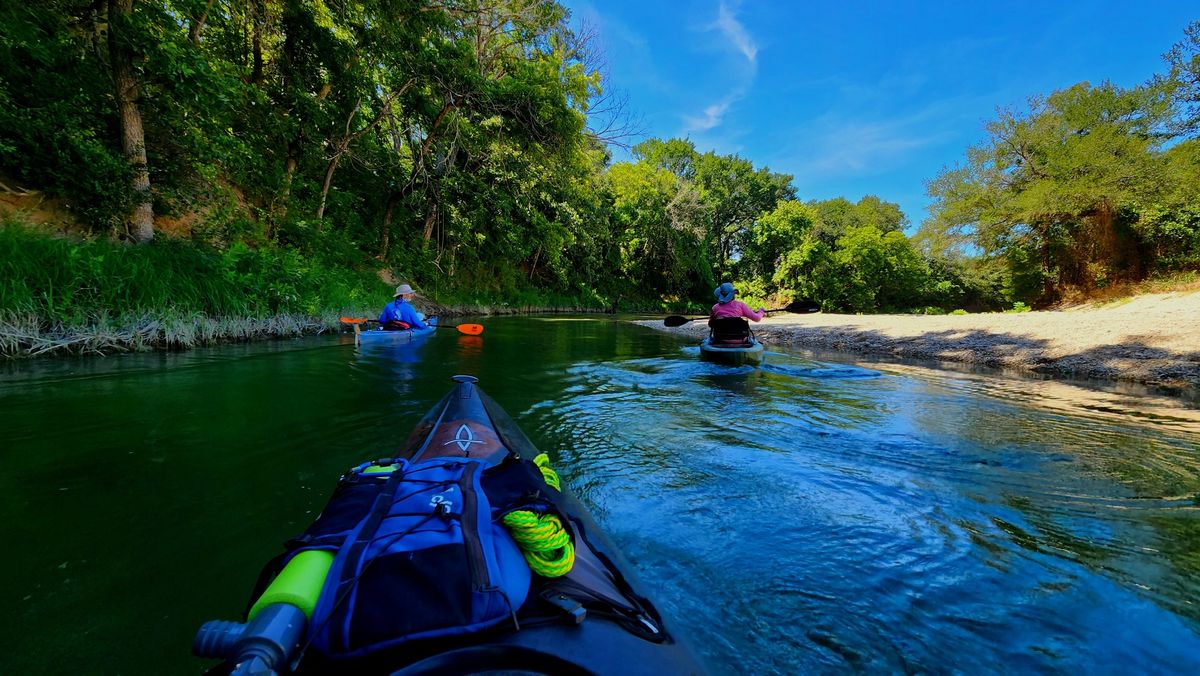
(846, 517)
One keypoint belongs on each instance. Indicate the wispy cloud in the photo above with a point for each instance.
(847, 145)
(733, 29)
(856, 147)
(713, 115)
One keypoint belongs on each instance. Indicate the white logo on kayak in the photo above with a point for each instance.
(464, 438)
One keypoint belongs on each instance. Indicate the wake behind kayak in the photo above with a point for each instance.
(461, 554)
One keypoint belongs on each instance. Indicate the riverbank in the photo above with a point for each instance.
(1152, 339)
(26, 336)
(29, 336)
(63, 293)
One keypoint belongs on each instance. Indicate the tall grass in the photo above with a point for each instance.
(26, 335)
(67, 281)
(59, 294)
(76, 295)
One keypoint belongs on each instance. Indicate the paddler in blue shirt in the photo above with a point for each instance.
(399, 314)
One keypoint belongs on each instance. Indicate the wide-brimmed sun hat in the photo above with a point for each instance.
(403, 290)
(724, 293)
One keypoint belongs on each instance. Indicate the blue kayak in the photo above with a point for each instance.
(751, 353)
(380, 337)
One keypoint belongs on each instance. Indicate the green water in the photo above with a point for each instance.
(809, 515)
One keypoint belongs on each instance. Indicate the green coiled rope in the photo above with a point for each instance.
(544, 542)
(543, 463)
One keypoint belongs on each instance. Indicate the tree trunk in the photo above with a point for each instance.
(198, 24)
(433, 130)
(99, 18)
(257, 19)
(536, 255)
(386, 229)
(722, 254)
(329, 169)
(285, 193)
(296, 144)
(430, 221)
(133, 138)
(1047, 279)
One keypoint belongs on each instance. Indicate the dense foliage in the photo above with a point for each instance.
(1093, 185)
(65, 282)
(464, 145)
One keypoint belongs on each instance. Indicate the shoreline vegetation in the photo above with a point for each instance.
(29, 336)
(178, 173)
(71, 295)
(1149, 339)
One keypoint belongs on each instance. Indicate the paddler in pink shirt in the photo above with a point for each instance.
(728, 307)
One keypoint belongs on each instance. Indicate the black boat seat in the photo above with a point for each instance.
(729, 331)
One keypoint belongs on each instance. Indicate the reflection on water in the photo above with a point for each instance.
(806, 515)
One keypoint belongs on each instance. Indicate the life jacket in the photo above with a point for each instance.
(420, 552)
(396, 325)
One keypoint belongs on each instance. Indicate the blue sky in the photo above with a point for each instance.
(856, 98)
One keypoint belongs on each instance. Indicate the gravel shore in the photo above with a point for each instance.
(1152, 339)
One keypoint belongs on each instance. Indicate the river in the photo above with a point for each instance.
(813, 515)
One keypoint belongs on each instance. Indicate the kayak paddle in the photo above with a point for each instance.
(679, 320)
(468, 329)
(798, 307)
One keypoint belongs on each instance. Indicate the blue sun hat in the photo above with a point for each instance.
(724, 293)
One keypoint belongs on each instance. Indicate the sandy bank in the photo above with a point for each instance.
(1152, 339)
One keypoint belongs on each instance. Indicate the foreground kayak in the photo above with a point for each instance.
(733, 355)
(332, 607)
(379, 336)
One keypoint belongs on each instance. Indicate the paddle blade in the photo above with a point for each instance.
(470, 329)
(353, 320)
(804, 306)
(675, 320)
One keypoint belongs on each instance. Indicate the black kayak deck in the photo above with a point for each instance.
(593, 620)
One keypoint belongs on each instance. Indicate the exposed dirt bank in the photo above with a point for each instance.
(1153, 339)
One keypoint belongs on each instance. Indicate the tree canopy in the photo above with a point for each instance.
(1093, 184)
(467, 144)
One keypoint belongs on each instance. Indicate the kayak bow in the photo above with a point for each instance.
(591, 620)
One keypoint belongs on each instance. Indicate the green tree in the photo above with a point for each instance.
(677, 156)
(878, 270)
(1182, 79)
(834, 217)
(772, 236)
(661, 221)
(737, 194)
(1054, 191)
